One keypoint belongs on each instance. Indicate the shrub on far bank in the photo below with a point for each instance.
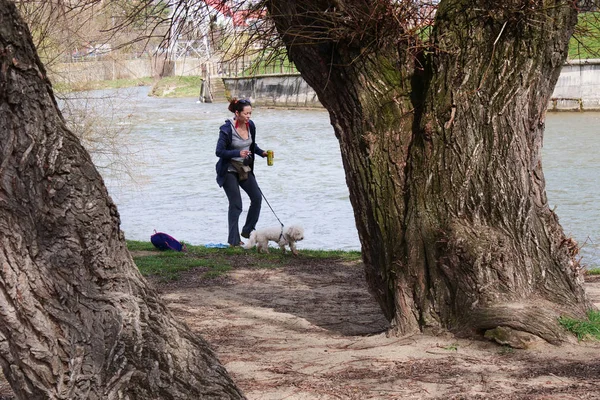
(177, 86)
(593, 271)
(172, 86)
(98, 85)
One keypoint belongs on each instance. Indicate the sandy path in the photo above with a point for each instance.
(315, 333)
(311, 331)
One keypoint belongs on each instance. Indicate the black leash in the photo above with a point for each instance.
(263, 195)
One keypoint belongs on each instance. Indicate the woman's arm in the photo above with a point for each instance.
(222, 151)
(259, 151)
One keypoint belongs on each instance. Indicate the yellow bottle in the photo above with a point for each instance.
(270, 156)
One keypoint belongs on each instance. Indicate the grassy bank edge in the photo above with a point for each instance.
(593, 271)
(102, 85)
(217, 261)
(171, 87)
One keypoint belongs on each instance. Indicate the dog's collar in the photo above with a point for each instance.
(281, 235)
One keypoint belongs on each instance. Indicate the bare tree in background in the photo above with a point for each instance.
(64, 30)
(78, 31)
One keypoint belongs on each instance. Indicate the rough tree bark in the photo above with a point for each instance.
(441, 150)
(77, 320)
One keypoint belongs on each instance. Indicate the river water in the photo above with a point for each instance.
(173, 188)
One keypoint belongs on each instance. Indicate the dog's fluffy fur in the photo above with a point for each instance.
(291, 234)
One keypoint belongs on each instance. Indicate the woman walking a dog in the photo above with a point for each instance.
(236, 149)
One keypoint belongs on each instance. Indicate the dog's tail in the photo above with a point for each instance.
(251, 241)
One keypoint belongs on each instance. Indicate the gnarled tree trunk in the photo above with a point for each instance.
(442, 155)
(77, 320)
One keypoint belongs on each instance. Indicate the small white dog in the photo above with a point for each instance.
(281, 235)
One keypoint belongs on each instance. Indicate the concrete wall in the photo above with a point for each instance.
(578, 87)
(274, 90)
(88, 71)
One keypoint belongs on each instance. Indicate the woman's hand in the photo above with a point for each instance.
(244, 153)
(264, 154)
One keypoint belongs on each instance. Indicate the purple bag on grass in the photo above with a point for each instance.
(163, 241)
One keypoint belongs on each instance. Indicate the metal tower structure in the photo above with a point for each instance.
(190, 28)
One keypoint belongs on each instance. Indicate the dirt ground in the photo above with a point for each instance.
(310, 330)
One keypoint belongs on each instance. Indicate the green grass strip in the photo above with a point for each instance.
(178, 86)
(96, 85)
(585, 42)
(583, 329)
(593, 271)
(169, 264)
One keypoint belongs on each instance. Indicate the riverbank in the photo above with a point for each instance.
(171, 87)
(577, 88)
(306, 328)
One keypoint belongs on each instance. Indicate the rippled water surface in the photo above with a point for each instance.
(175, 189)
(571, 161)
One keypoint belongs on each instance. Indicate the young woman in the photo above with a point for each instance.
(236, 149)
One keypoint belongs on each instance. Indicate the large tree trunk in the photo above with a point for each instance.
(77, 320)
(442, 155)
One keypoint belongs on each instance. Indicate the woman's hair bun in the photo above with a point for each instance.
(236, 104)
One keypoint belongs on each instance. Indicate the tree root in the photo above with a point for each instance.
(519, 325)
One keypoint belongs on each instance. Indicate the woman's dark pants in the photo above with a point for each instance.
(232, 189)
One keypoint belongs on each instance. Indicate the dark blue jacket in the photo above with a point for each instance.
(225, 153)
